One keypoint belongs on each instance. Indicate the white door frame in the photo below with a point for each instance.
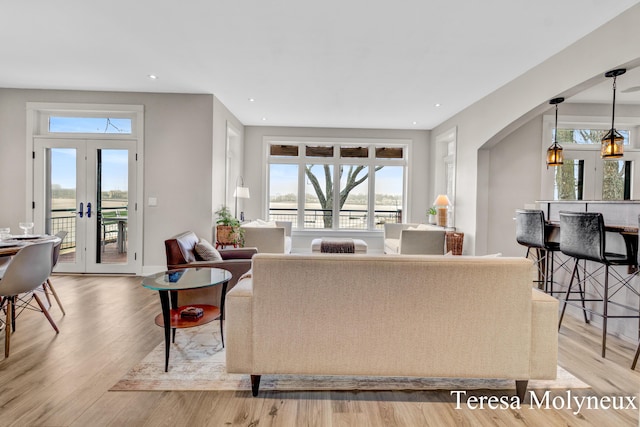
(37, 114)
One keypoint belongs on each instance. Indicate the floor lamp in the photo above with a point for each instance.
(241, 192)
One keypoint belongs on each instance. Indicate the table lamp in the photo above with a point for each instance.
(442, 204)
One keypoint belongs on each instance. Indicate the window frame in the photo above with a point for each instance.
(593, 167)
(371, 161)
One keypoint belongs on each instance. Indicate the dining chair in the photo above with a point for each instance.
(47, 287)
(27, 271)
(582, 236)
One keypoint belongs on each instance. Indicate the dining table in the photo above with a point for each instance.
(12, 244)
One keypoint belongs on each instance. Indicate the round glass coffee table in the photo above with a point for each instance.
(169, 283)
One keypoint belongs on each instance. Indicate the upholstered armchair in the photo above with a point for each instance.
(181, 253)
(414, 239)
(268, 237)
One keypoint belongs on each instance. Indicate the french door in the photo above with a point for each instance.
(585, 176)
(87, 187)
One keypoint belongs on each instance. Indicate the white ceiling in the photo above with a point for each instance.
(338, 63)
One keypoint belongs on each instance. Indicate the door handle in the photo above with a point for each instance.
(80, 212)
(89, 210)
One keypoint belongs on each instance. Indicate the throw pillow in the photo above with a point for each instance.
(207, 252)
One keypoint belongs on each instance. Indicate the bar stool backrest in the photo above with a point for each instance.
(582, 235)
(530, 228)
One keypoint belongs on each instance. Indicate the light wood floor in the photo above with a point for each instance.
(63, 380)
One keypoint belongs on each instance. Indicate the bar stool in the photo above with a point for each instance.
(531, 231)
(582, 236)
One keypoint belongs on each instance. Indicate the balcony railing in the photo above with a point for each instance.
(65, 219)
(351, 219)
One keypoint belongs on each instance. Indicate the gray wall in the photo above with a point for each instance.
(179, 145)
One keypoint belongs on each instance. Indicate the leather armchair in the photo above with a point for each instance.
(180, 251)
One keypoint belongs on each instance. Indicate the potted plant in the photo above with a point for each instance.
(431, 213)
(228, 230)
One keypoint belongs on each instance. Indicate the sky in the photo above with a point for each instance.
(114, 168)
(114, 162)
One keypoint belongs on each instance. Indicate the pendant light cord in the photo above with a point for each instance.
(613, 112)
(555, 136)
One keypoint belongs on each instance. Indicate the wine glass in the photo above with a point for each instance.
(26, 226)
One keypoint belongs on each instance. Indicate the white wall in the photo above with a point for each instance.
(419, 196)
(498, 114)
(178, 152)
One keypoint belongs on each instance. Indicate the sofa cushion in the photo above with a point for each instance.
(207, 252)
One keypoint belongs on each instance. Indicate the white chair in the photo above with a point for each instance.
(47, 287)
(26, 272)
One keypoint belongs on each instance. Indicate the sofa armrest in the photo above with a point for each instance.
(544, 335)
(238, 253)
(238, 328)
(422, 242)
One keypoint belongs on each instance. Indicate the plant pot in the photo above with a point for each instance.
(225, 235)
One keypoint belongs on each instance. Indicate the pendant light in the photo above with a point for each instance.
(554, 152)
(613, 142)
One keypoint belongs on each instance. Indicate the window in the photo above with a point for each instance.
(283, 192)
(569, 180)
(587, 136)
(107, 125)
(585, 175)
(616, 180)
(336, 185)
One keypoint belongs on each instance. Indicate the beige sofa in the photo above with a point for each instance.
(402, 239)
(268, 237)
(408, 315)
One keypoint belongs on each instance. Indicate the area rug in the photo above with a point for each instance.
(197, 362)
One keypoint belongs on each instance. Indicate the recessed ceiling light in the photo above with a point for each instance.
(415, 123)
(436, 104)
(153, 77)
(252, 100)
(264, 119)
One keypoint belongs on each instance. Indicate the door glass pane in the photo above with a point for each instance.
(616, 180)
(112, 206)
(354, 196)
(569, 180)
(388, 201)
(283, 193)
(318, 203)
(61, 199)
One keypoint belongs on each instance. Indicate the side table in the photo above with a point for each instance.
(169, 283)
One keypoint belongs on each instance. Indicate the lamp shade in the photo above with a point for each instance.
(555, 156)
(442, 200)
(612, 145)
(241, 192)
